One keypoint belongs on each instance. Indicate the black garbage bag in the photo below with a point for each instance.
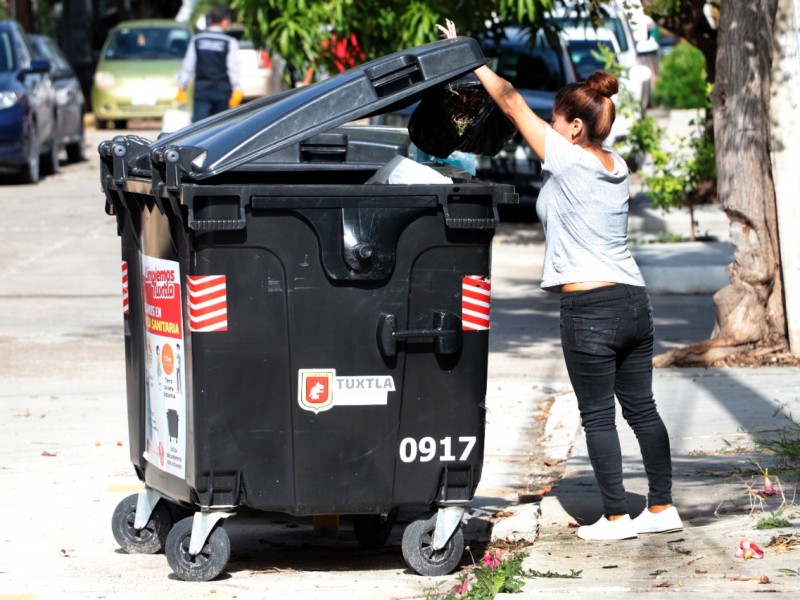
(459, 116)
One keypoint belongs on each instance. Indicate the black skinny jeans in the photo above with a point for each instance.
(607, 339)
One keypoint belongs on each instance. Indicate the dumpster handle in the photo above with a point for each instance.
(446, 333)
(454, 222)
(217, 224)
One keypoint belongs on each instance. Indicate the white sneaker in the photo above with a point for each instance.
(618, 529)
(661, 522)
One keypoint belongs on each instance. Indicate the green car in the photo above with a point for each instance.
(137, 72)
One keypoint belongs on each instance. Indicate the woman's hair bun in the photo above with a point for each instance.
(603, 83)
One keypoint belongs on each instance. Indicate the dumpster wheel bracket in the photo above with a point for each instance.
(203, 524)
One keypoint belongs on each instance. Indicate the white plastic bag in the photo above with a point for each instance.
(401, 170)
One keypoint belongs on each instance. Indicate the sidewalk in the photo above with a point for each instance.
(713, 416)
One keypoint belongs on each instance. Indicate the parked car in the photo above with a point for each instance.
(137, 71)
(537, 68)
(70, 103)
(585, 51)
(637, 51)
(28, 143)
(259, 72)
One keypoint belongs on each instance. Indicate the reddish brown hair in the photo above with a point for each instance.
(590, 101)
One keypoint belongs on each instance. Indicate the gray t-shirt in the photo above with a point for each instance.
(584, 210)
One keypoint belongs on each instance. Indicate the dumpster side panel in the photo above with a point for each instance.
(134, 347)
(162, 241)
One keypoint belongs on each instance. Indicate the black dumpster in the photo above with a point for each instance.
(299, 338)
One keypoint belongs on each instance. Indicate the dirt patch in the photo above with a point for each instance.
(724, 353)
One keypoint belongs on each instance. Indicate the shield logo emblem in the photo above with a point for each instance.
(316, 389)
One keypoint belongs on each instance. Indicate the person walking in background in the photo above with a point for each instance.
(211, 60)
(606, 315)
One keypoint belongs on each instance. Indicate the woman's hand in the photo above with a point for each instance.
(449, 32)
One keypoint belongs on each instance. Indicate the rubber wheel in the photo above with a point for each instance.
(29, 173)
(75, 150)
(120, 124)
(151, 538)
(372, 531)
(50, 164)
(206, 565)
(420, 555)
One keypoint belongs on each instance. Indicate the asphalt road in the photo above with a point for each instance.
(64, 455)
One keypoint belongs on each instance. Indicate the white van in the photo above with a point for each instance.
(637, 50)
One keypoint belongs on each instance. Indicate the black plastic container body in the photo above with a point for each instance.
(298, 339)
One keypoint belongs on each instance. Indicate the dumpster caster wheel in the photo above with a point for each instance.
(418, 549)
(372, 531)
(205, 565)
(149, 539)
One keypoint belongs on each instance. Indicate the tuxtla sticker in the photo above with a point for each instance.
(322, 389)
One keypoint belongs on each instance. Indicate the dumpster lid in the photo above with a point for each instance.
(236, 137)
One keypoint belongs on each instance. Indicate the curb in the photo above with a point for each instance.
(684, 268)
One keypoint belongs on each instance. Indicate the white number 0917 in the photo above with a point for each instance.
(427, 448)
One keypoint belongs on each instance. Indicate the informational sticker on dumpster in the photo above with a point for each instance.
(322, 389)
(165, 410)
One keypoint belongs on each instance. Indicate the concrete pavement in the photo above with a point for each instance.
(714, 416)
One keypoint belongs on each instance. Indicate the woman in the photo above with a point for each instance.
(606, 316)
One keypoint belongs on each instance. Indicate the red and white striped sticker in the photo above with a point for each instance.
(476, 293)
(125, 302)
(208, 302)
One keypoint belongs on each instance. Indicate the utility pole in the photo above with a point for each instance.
(22, 12)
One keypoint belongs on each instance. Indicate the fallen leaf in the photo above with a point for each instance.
(759, 578)
(662, 584)
(785, 542)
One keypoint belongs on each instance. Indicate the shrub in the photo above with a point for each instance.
(682, 79)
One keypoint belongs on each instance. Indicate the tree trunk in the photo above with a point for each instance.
(785, 150)
(688, 21)
(750, 308)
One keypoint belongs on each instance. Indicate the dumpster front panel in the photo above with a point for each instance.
(297, 406)
(441, 436)
(242, 429)
(290, 325)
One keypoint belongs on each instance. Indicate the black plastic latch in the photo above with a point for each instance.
(447, 333)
